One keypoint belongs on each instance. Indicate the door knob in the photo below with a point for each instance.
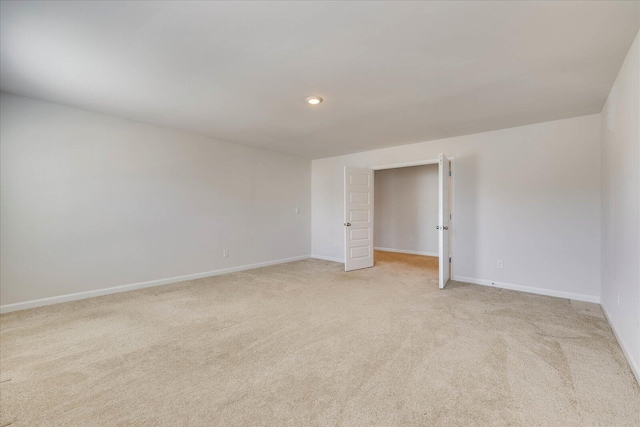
(348, 224)
(445, 227)
(437, 227)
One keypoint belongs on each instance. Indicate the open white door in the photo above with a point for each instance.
(444, 220)
(358, 218)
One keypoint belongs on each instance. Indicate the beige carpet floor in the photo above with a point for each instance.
(306, 344)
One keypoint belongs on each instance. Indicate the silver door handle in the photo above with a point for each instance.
(444, 228)
(348, 224)
(437, 227)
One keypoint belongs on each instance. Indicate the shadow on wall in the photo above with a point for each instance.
(465, 215)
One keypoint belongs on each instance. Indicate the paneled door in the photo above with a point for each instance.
(444, 220)
(358, 218)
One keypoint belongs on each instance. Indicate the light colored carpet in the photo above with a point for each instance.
(307, 344)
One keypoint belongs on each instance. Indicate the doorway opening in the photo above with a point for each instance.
(405, 236)
(360, 215)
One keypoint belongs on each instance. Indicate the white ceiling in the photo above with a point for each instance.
(391, 73)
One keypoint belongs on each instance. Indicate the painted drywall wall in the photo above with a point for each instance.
(92, 202)
(529, 196)
(621, 207)
(406, 209)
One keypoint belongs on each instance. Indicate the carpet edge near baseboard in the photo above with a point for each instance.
(632, 364)
(58, 299)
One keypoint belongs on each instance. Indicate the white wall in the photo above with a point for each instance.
(528, 195)
(406, 209)
(621, 207)
(91, 202)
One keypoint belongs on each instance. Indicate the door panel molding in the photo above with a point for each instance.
(358, 218)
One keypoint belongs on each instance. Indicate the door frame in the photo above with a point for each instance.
(451, 194)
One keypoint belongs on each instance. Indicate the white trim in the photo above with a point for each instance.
(328, 258)
(124, 288)
(529, 289)
(406, 164)
(452, 210)
(632, 364)
(403, 251)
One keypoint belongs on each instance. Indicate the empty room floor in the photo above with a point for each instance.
(305, 343)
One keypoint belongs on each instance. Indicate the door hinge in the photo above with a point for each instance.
(449, 216)
(449, 260)
(449, 173)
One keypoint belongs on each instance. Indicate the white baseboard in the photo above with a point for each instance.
(328, 258)
(124, 288)
(632, 363)
(529, 289)
(403, 251)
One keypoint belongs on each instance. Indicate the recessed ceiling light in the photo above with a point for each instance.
(314, 100)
